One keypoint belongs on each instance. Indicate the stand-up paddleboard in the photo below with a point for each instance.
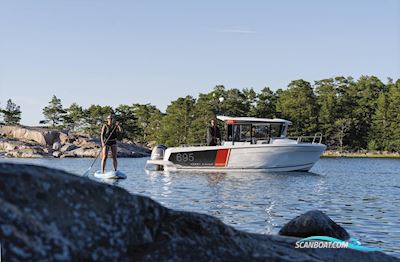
(110, 175)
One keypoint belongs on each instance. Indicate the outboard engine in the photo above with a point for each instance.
(158, 152)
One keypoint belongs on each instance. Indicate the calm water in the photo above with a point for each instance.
(362, 195)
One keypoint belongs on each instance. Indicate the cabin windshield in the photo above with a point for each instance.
(254, 133)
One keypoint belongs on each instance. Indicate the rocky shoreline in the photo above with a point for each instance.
(30, 142)
(51, 215)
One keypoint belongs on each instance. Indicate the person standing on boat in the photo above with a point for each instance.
(213, 134)
(109, 134)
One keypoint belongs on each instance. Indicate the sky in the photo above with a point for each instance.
(122, 52)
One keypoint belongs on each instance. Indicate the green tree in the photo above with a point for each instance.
(329, 110)
(250, 101)
(207, 106)
(12, 113)
(347, 102)
(74, 117)
(204, 109)
(95, 117)
(176, 124)
(235, 103)
(54, 112)
(265, 104)
(144, 114)
(368, 89)
(125, 115)
(341, 128)
(154, 128)
(394, 117)
(298, 104)
(380, 127)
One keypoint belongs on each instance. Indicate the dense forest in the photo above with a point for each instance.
(352, 115)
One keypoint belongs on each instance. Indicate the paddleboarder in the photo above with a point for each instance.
(109, 134)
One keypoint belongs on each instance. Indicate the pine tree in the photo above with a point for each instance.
(235, 103)
(204, 109)
(176, 124)
(298, 104)
(11, 114)
(380, 126)
(393, 136)
(95, 117)
(347, 102)
(54, 112)
(74, 117)
(265, 106)
(327, 99)
(368, 89)
(144, 114)
(125, 115)
(154, 128)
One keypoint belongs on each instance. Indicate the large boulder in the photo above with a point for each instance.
(56, 146)
(86, 141)
(313, 223)
(64, 138)
(39, 135)
(57, 154)
(25, 153)
(10, 147)
(48, 215)
(68, 147)
(9, 144)
(82, 152)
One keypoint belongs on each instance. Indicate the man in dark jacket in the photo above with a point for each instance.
(213, 134)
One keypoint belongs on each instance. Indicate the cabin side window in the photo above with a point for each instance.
(255, 133)
(276, 130)
(238, 133)
(261, 132)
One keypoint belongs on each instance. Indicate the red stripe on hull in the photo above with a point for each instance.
(227, 159)
(222, 157)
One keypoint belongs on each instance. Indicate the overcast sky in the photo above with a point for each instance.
(124, 52)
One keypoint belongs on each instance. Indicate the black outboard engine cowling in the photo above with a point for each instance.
(158, 152)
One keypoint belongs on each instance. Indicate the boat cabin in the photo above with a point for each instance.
(251, 130)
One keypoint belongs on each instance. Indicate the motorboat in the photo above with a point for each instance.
(249, 143)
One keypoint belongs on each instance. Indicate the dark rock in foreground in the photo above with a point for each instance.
(48, 215)
(313, 223)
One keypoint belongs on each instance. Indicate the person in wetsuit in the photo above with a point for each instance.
(213, 134)
(109, 134)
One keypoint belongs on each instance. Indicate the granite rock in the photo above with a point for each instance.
(68, 147)
(314, 223)
(42, 136)
(56, 146)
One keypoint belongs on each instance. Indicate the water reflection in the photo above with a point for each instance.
(243, 198)
(110, 181)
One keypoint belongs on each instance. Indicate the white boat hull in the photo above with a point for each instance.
(269, 157)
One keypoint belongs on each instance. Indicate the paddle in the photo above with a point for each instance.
(94, 161)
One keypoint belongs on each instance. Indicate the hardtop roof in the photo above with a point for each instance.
(252, 120)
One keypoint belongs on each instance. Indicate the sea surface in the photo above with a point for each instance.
(361, 194)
